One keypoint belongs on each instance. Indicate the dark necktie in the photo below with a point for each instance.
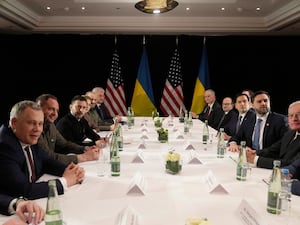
(100, 111)
(238, 124)
(32, 168)
(207, 112)
(255, 144)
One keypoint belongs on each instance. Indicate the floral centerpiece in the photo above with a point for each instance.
(163, 135)
(173, 164)
(155, 113)
(158, 121)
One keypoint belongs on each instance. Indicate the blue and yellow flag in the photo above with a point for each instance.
(202, 83)
(143, 102)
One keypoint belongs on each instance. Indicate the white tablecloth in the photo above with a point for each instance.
(169, 199)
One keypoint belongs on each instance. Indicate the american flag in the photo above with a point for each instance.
(172, 98)
(115, 101)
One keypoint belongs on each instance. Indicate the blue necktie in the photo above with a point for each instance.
(255, 144)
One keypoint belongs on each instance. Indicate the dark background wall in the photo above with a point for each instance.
(66, 65)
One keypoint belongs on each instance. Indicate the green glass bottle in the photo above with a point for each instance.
(274, 189)
(115, 159)
(186, 125)
(205, 133)
(53, 212)
(221, 146)
(241, 166)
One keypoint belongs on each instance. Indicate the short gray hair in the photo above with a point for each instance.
(19, 108)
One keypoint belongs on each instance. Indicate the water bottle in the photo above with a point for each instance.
(285, 194)
(274, 189)
(119, 135)
(53, 212)
(181, 118)
(241, 167)
(190, 120)
(115, 159)
(221, 146)
(130, 117)
(186, 125)
(205, 133)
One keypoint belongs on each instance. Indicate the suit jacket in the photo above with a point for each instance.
(230, 123)
(4, 203)
(14, 173)
(76, 131)
(284, 150)
(275, 127)
(103, 114)
(214, 116)
(294, 169)
(104, 126)
(226, 123)
(51, 141)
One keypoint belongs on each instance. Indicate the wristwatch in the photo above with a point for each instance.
(21, 198)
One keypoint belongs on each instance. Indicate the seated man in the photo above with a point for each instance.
(294, 170)
(212, 111)
(51, 139)
(269, 127)
(287, 149)
(22, 161)
(74, 127)
(28, 212)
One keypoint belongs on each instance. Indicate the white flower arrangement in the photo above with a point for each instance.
(173, 156)
(173, 165)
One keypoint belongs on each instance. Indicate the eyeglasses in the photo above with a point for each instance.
(297, 115)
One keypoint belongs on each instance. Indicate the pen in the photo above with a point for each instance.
(233, 159)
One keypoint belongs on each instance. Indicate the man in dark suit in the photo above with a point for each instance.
(19, 169)
(212, 112)
(28, 212)
(100, 97)
(294, 171)
(286, 149)
(272, 127)
(237, 116)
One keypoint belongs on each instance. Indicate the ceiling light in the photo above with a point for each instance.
(156, 6)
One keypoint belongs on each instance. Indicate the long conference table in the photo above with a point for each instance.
(145, 194)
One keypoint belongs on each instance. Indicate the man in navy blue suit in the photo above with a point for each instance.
(16, 170)
(286, 149)
(238, 115)
(272, 128)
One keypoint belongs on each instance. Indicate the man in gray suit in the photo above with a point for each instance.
(287, 149)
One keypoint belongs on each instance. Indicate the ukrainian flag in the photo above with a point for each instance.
(143, 102)
(202, 83)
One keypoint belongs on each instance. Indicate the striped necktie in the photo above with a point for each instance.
(32, 168)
